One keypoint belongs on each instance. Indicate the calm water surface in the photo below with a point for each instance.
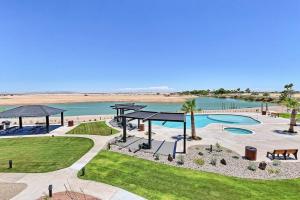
(103, 108)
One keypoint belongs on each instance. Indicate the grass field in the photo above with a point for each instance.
(41, 154)
(93, 128)
(158, 181)
(288, 115)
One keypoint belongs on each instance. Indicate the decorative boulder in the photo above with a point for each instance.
(262, 165)
(223, 162)
(129, 150)
(170, 158)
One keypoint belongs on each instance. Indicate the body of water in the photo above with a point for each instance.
(103, 108)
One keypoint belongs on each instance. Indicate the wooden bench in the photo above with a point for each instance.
(285, 152)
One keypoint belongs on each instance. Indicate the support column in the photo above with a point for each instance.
(20, 122)
(62, 118)
(124, 128)
(184, 137)
(139, 123)
(118, 115)
(149, 133)
(47, 123)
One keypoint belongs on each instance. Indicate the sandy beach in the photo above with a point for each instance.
(31, 99)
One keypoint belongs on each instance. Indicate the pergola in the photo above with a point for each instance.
(121, 108)
(33, 111)
(155, 116)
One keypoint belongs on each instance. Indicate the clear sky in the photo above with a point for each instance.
(108, 45)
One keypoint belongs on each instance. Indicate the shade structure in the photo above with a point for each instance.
(33, 111)
(155, 116)
(121, 108)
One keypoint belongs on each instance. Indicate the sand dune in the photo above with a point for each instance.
(30, 99)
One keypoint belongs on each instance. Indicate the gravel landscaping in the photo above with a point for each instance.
(200, 157)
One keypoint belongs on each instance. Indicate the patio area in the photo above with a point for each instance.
(134, 144)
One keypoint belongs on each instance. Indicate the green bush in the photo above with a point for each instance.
(199, 161)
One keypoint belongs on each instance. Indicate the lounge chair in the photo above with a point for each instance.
(284, 152)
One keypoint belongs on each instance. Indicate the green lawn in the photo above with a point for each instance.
(158, 181)
(42, 154)
(288, 115)
(93, 128)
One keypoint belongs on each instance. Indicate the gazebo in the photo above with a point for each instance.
(154, 116)
(33, 111)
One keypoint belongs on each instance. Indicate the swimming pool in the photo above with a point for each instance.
(238, 131)
(202, 120)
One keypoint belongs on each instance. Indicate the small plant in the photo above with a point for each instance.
(252, 167)
(197, 148)
(219, 147)
(276, 163)
(273, 171)
(180, 160)
(213, 162)
(156, 157)
(200, 153)
(236, 157)
(199, 162)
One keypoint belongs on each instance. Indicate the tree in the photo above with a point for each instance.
(294, 105)
(190, 107)
(287, 92)
(248, 90)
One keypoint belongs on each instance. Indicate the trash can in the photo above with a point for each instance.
(141, 127)
(71, 123)
(250, 153)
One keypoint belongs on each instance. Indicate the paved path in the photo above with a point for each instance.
(37, 183)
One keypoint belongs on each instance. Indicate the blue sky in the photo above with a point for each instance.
(109, 45)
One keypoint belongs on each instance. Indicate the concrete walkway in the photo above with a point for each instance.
(37, 183)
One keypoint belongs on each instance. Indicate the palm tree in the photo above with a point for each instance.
(294, 105)
(190, 107)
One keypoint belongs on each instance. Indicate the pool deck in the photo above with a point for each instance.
(268, 135)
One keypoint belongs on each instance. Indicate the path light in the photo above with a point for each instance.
(50, 188)
(83, 171)
(10, 164)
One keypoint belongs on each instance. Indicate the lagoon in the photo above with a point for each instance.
(103, 108)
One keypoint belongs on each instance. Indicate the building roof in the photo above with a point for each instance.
(128, 106)
(156, 116)
(30, 111)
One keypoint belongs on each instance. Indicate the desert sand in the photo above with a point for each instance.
(31, 99)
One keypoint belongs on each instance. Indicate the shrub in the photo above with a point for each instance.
(213, 161)
(236, 157)
(219, 147)
(199, 162)
(252, 167)
(273, 171)
(156, 157)
(276, 163)
(180, 160)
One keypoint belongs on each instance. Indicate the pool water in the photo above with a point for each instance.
(238, 131)
(204, 120)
